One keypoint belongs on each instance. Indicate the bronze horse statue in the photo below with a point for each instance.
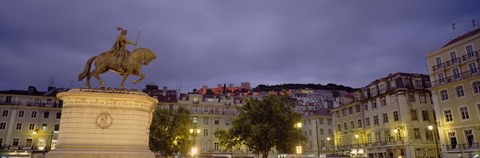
(107, 61)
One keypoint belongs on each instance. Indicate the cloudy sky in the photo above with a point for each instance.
(206, 42)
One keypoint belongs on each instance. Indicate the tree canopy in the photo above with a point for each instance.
(169, 131)
(263, 125)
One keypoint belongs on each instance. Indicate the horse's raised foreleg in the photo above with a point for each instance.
(142, 76)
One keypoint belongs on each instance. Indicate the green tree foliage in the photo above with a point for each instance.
(169, 132)
(263, 125)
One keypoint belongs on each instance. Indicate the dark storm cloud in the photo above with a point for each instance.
(210, 42)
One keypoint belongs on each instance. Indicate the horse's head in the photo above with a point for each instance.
(148, 56)
(143, 56)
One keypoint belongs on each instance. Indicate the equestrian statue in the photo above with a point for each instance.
(119, 60)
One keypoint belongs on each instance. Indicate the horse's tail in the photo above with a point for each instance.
(85, 72)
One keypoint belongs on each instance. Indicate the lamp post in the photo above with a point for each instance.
(35, 131)
(328, 142)
(194, 131)
(299, 147)
(430, 127)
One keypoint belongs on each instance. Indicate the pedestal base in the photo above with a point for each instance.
(97, 153)
(104, 124)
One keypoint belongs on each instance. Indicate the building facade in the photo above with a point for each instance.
(318, 129)
(209, 113)
(387, 118)
(29, 122)
(455, 89)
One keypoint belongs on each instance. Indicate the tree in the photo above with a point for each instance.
(169, 131)
(263, 125)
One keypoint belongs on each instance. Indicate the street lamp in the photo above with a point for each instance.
(299, 147)
(430, 127)
(298, 125)
(395, 130)
(34, 133)
(328, 142)
(194, 131)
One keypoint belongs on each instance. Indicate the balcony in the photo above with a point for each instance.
(462, 147)
(438, 66)
(457, 77)
(470, 56)
(455, 61)
(473, 146)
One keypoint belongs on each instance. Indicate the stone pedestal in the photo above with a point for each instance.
(104, 123)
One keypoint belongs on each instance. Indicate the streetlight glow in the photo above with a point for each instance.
(194, 151)
(395, 130)
(430, 127)
(299, 125)
(356, 135)
(328, 138)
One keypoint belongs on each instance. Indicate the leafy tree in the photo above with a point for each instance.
(263, 125)
(169, 131)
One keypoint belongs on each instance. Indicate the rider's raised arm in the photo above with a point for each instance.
(130, 42)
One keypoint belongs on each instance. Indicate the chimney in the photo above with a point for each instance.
(152, 87)
(164, 90)
(32, 90)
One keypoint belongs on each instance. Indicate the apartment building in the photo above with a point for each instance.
(387, 118)
(209, 113)
(29, 121)
(455, 76)
(318, 129)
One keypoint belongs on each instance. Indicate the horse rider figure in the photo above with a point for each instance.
(119, 49)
